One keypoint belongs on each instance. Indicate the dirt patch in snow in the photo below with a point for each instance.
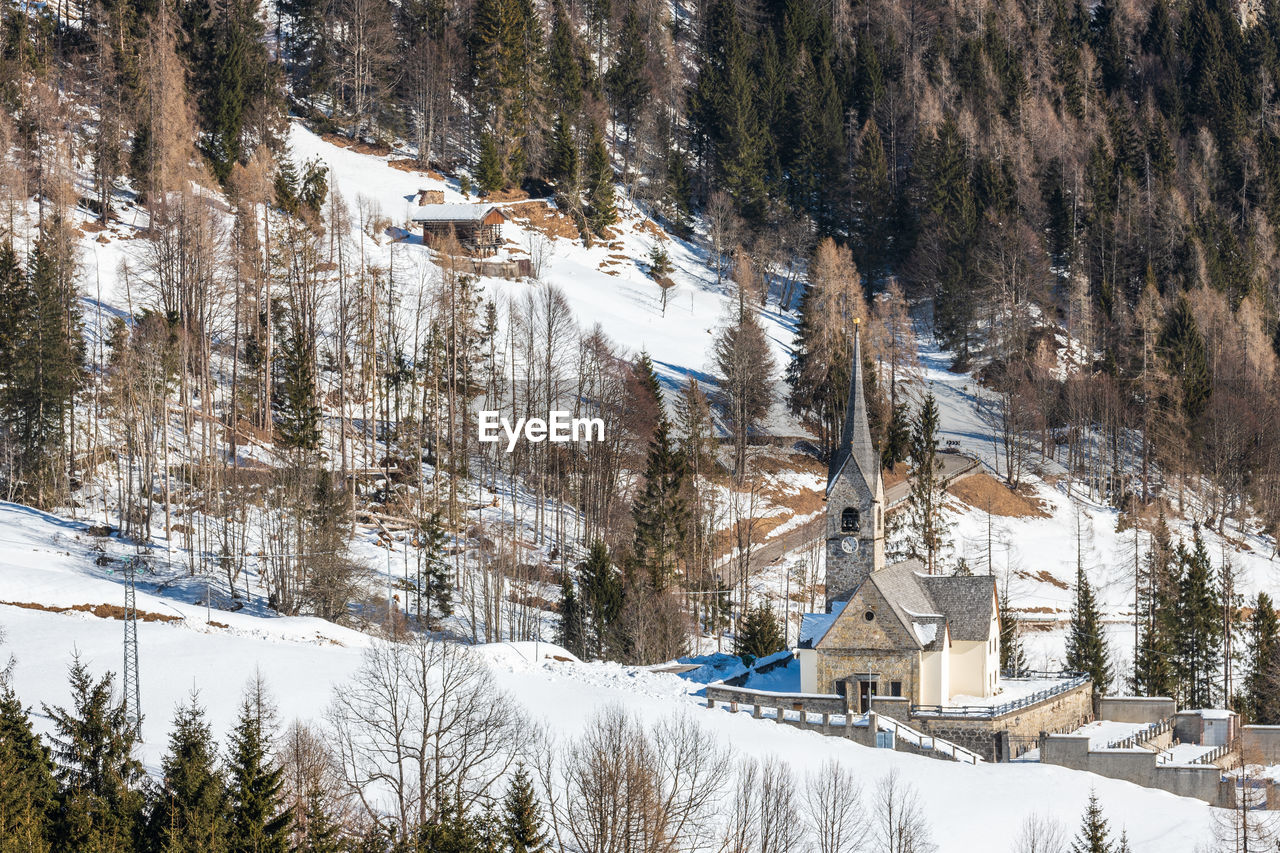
(102, 611)
(550, 222)
(408, 164)
(982, 491)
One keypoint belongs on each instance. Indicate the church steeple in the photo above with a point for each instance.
(855, 438)
(855, 496)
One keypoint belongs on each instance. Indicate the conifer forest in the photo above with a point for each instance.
(252, 381)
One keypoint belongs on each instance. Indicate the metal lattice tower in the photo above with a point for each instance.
(132, 703)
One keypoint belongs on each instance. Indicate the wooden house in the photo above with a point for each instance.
(478, 227)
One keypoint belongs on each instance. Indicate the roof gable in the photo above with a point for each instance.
(890, 629)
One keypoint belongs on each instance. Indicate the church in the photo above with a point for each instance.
(890, 630)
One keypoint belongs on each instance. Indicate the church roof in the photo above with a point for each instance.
(932, 608)
(855, 439)
(968, 601)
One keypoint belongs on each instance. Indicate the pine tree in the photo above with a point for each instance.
(1013, 660)
(28, 791)
(872, 226)
(1184, 350)
(562, 165)
(625, 81)
(43, 366)
(296, 405)
(600, 185)
(452, 831)
(659, 511)
(489, 173)
(1086, 647)
(100, 801)
(925, 521)
(522, 816)
(571, 630)
(1154, 662)
(601, 599)
(258, 821)
(322, 833)
(759, 634)
(190, 805)
(436, 583)
(1094, 835)
(1198, 641)
(1262, 669)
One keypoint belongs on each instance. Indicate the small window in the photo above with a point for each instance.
(895, 688)
(849, 521)
(870, 616)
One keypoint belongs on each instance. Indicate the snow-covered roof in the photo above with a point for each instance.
(453, 212)
(925, 632)
(814, 626)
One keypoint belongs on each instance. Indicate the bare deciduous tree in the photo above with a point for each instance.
(833, 809)
(898, 823)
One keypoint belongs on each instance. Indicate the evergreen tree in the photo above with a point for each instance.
(1086, 647)
(1198, 642)
(659, 511)
(42, 367)
(296, 405)
(1184, 350)
(926, 523)
(759, 634)
(321, 833)
(489, 173)
(562, 165)
(625, 81)
(1094, 835)
(1013, 660)
(571, 629)
(897, 443)
(1262, 668)
(602, 599)
(874, 211)
(452, 831)
(190, 805)
(1154, 662)
(522, 817)
(28, 791)
(258, 821)
(600, 185)
(436, 583)
(100, 801)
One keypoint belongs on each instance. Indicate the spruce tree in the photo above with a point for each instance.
(489, 172)
(522, 816)
(1158, 599)
(190, 806)
(100, 800)
(451, 831)
(925, 520)
(659, 511)
(28, 790)
(603, 212)
(1187, 358)
(1262, 668)
(1094, 835)
(1198, 641)
(1086, 647)
(759, 634)
(258, 820)
(320, 832)
(602, 599)
(296, 405)
(625, 81)
(43, 365)
(571, 630)
(1013, 660)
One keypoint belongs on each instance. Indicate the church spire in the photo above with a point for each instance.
(855, 439)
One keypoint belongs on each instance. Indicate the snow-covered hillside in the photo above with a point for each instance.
(52, 561)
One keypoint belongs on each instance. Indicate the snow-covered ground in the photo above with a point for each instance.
(47, 560)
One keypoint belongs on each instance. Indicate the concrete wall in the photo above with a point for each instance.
(808, 670)
(1261, 744)
(1136, 709)
(969, 671)
(933, 678)
(1134, 765)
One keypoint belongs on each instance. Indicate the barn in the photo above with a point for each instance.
(478, 227)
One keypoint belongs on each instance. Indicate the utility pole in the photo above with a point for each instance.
(132, 702)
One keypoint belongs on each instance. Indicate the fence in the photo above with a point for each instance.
(1138, 738)
(1069, 682)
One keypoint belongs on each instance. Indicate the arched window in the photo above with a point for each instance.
(849, 520)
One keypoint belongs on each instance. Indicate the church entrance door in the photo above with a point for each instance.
(866, 690)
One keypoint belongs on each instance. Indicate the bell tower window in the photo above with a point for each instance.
(849, 521)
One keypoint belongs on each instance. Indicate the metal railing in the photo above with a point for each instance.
(1069, 682)
(1140, 737)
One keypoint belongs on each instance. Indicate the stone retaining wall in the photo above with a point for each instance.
(1136, 709)
(1136, 765)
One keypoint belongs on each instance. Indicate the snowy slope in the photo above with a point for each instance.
(51, 561)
